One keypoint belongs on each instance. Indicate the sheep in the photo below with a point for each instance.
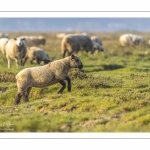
(149, 42)
(34, 40)
(36, 53)
(142, 41)
(60, 35)
(40, 40)
(126, 40)
(15, 49)
(98, 47)
(72, 43)
(4, 35)
(132, 40)
(3, 42)
(96, 39)
(47, 75)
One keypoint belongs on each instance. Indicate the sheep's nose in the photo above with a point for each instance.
(80, 66)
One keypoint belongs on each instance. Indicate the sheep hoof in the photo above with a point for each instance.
(59, 92)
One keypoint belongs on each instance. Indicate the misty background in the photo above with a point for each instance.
(74, 24)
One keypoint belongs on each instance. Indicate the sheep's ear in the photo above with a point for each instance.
(72, 56)
(15, 38)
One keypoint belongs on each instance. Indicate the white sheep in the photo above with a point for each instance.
(34, 40)
(72, 43)
(36, 53)
(15, 49)
(60, 35)
(4, 35)
(126, 40)
(49, 74)
(96, 39)
(132, 40)
(3, 42)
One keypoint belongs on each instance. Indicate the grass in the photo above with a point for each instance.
(110, 94)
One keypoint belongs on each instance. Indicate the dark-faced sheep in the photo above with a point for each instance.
(72, 43)
(49, 74)
(36, 53)
(15, 49)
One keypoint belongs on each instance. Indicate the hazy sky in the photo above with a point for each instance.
(74, 24)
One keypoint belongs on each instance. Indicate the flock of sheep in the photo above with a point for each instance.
(22, 48)
(132, 40)
(26, 47)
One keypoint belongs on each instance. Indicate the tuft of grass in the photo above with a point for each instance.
(7, 77)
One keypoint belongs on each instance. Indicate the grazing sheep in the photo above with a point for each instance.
(49, 74)
(34, 40)
(132, 40)
(3, 42)
(40, 40)
(4, 35)
(96, 39)
(98, 47)
(126, 40)
(36, 53)
(74, 42)
(60, 35)
(15, 49)
(142, 41)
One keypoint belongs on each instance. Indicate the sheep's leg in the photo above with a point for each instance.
(26, 94)
(69, 83)
(8, 62)
(16, 63)
(38, 61)
(31, 61)
(64, 54)
(24, 61)
(63, 83)
(18, 97)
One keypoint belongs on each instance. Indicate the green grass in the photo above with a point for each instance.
(110, 94)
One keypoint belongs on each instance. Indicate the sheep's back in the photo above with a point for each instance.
(37, 76)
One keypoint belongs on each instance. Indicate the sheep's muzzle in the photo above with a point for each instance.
(80, 66)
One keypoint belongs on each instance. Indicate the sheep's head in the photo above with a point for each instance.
(75, 61)
(19, 41)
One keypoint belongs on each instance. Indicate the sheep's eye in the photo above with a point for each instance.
(77, 60)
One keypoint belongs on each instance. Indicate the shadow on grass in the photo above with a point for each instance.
(97, 68)
(112, 67)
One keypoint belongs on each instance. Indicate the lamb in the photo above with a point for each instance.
(36, 53)
(96, 39)
(15, 49)
(72, 43)
(3, 42)
(49, 74)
